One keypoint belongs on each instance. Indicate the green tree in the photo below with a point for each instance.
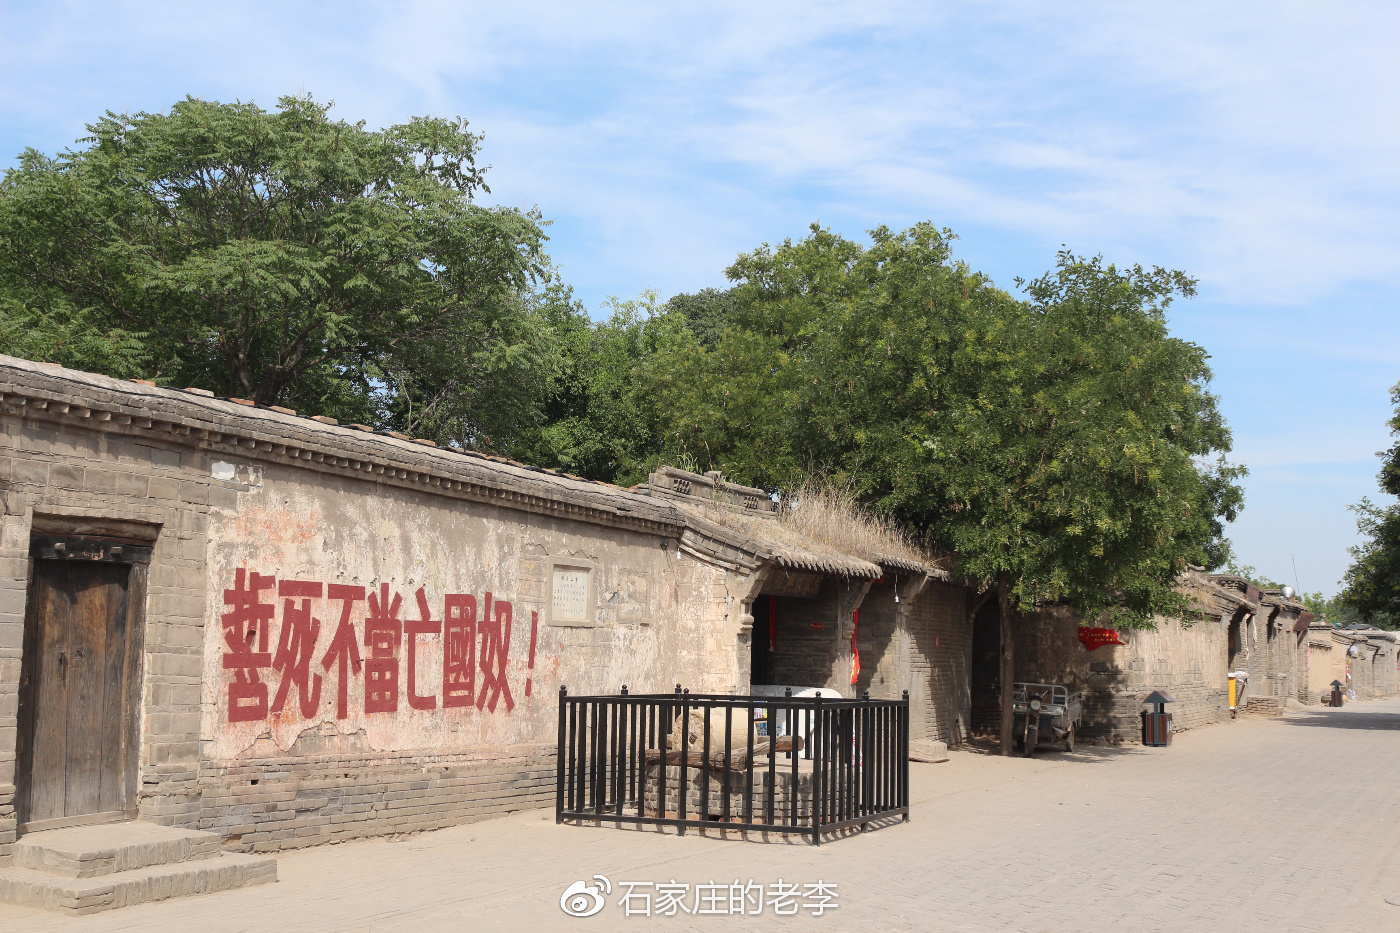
(1064, 447)
(1335, 610)
(1371, 587)
(284, 257)
(706, 313)
(599, 421)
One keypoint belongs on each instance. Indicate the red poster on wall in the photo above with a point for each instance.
(1098, 637)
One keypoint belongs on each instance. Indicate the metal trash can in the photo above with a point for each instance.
(1336, 693)
(1157, 722)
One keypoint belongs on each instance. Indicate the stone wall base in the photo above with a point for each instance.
(267, 805)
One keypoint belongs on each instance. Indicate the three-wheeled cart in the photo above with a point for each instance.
(1045, 712)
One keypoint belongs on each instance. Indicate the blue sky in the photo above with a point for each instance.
(1254, 145)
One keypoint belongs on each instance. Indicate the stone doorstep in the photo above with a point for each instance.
(76, 896)
(86, 869)
(111, 848)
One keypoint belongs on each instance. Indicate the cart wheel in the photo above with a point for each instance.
(1069, 739)
(1032, 736)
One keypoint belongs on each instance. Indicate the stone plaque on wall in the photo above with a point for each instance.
(569, 596)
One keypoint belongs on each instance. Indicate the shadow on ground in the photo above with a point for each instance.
(1345, 719)
(718, 831)
(1088, 754)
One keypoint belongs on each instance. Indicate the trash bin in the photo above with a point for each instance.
(1336, 693)
(1157, 722)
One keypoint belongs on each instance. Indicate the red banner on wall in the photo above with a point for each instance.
(1098, 637)
(855, 651)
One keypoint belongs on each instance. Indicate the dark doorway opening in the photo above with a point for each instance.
(986, 669)
(761, 642)
(79, 691)
(1233, 639)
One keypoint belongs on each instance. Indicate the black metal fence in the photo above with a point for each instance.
(808, 765)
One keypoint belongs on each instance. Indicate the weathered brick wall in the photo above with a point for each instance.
(1374, 674)
(659, 617)
(708, 652)
(940, 661)
(283, 803)
(68, 476)
(317, 506)
(1360, 670)
(813, 643)
(1273, 654)
(1185, 660)
(882, 664)
(921, 644)
(1320, 667)
(1384, 677)
(14, 542)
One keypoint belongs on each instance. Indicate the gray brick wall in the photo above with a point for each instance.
(135, 467)
(69, 476)
(1186, 658)
(813, 643)
(940, 659)
(274, 804)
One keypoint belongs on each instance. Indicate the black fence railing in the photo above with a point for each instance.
(808, 765)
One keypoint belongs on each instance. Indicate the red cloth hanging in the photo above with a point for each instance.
(855, 651)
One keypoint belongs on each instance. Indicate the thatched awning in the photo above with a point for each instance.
(771, 540)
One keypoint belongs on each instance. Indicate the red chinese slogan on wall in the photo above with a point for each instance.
(385, 651)
(1098, 637)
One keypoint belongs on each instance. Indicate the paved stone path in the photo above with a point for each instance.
(1256, 825)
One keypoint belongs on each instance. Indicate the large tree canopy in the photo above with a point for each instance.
(1066, 441)
(1372, 584)
(1063, 447)
(284, 257)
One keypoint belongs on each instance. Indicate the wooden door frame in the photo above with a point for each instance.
(81, 548)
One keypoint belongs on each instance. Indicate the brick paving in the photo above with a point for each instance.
(1260, 824)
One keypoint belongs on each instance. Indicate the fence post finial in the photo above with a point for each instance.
(624, 690)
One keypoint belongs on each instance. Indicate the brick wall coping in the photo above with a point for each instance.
(221, 426)
(1235, 589)
(195, 419)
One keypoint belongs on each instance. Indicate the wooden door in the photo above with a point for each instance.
(76, 755)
